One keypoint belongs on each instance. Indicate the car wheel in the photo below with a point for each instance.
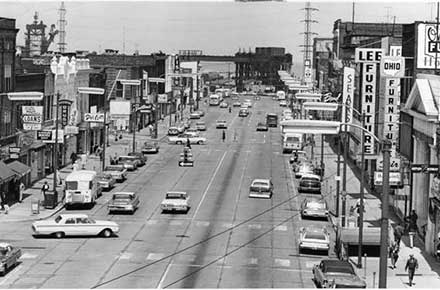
(107, 233)
(179, 142)
(59, 235)
(200, 142)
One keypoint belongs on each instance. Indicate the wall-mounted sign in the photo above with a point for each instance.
(368, 55)
(392, 66)
(368, 92)
(71, 130)
(48, 136)
(392, 112)
(162, 98)
(428, 45)
(94, 117)
(32, 117)
(394, 163)
(14, 152)
(395, 50)
(347, 95)
(424, 168)
(307, 75)
(64, 114)
(394, 180)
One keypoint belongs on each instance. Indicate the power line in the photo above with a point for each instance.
(193, 245)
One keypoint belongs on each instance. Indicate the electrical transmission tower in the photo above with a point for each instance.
(62, 28)
(308, 46)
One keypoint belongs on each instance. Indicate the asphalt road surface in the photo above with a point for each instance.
(225, 240)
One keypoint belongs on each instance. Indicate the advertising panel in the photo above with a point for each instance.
(119, 110)
(392, 112)
(392, 66)
(394, 180)
(32, 117)
(94, 117)
(48, 136)
(368, 93)
(368, 55)
(428, 46)
(162, 98)
(347, 95)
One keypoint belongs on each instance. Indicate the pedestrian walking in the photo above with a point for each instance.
(21, 189)
(399, 230)
(412, 227)
(437, 253)
(188, 143)
(73, 157)
(223, 135)
(44, 189)
(411, 266)
(394, 255)
(3, 200)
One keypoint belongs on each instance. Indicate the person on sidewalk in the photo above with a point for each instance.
(399, 230)
(412, 227)
(21, 189)
(411, 266)
(44, 189)
(73, 158)
(223, 136)
(3, 202)
(188, 143)
(394, 254)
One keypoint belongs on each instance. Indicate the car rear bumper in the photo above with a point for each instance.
(315, 247)
(265, 195)
(308, 189)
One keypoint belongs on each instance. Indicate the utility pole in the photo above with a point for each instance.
(322, 145)
(104, 138)
(386, 150)
(344, 177)
(361, 205)
(134, 126)
(55, 151)
(338, 174)
(198, 88)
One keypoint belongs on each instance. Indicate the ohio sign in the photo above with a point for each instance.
(392, 66)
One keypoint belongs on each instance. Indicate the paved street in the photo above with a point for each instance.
(225, 240)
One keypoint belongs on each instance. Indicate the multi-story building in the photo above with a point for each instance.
(322, 50)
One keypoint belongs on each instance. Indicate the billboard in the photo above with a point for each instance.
(428, 46)
(119, 109)
(323, 45)
(32, 117)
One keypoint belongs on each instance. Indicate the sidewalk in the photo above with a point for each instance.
(21, 212)
(428, 274)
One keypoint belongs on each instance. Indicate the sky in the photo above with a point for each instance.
(215, 27)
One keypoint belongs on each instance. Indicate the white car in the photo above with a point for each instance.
(221, 124)
(261, 188)
(175, 201)
(283, 103)
(183, 139)
(316, 239)
(74, 225)
(118, 172)
(201, 126)
(194, 115)
(247, 103)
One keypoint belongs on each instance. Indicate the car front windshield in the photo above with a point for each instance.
(340, 269)
(314, 236)
(120, 197)
(175, 196)
(260, 184)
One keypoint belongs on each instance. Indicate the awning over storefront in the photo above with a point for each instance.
(424, 96)
(6, 173)
(370, 237)
(19, 168)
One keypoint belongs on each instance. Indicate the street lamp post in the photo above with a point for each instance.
(55, 151)
(361, 190)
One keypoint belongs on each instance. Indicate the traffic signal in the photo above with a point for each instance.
(186, 158)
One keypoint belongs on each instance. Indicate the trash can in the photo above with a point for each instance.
(51, 200)
(35, 206)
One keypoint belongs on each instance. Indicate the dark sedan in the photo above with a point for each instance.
(310, 183)
(149, 148)
(140, 157)
(262, 127)
(336, 274)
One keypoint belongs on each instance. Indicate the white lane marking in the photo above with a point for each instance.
(209, 185)
(228, 225)
(28, 256)
(282, 262)
(176, 223)
(255, 227)
(281, 228)
(152, 222)
(159, 286)
(155, 256)
(310, 264)
(125, 256)
(202, 224)
(253, 261)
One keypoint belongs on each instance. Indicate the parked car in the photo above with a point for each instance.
(283, 103)
(201, 113)
(261, 188)
(192, 131)
(175, 201)
(106, 181)
(310, 183)
(221, 124)
(303, 168)
(201, 126)
(76, 224)
(183, 138)
(9, 256)
(298, 157)
(243, 112)
(123, 202)
(224, 105)
(150, 147)
(315, 239)
(194, 115)
(332, 273)
(129, 162)
(118, 172)
(314, 208)
(236, 104)
(262, 126)
(142, 160)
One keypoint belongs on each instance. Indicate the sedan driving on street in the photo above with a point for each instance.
(224, 105)
(194, 115)
(243, 112)
(310, 183)
(336, 274)
(283, 103)
(175, 201)
(261, 188)
(183, 139)
(9, 256)
(221, 124)
(150, 148)
(77, 224)
(262, 127)
(236, 104)
(314, 207)
(118, 172)
(315, 239)
(201, 126)
(123, 202)
(106, 181)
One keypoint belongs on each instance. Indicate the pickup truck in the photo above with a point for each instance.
(118, 172)
(182, 139)
(175, 201)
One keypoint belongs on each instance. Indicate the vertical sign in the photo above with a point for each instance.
(347, 95)
(145, 84)
(391, 114)
(64, 114)
(368, 91)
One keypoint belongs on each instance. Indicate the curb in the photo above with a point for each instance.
(57, 209)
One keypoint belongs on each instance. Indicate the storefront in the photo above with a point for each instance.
(7, 177)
